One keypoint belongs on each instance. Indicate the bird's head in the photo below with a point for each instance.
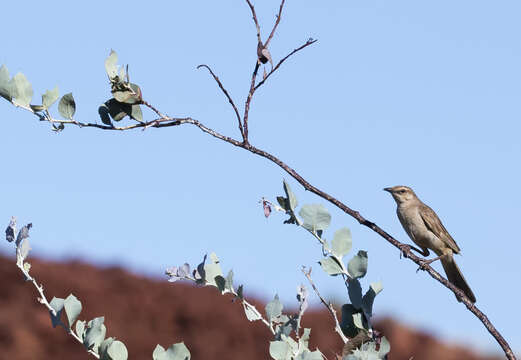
(401, 194)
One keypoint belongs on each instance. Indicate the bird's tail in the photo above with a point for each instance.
(455, 276)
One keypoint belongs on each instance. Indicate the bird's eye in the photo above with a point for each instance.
(402, 191)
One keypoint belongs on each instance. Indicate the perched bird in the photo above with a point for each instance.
(424, 227)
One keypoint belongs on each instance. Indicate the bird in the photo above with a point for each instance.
(425, 229)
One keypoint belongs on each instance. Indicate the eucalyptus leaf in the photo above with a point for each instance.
(136, 113)
(80, 329)
(229, 281)
(280, 350)
(117, 351)
(103, 347)
(24, 249)
(72, 308)
(111, 64)
(341, 243)
(357, 266)
(274, 308)
(355, 293)
(251, 314)
(57, 305)
(220, 283)
(331, 266)
(177, 351)
(385, 347)
(94, 333)
(23, 91)
(292, 199)
(50, 97)
(6, 90)
(67, 106)
(315, 216)
(158, 352)
(368, 299)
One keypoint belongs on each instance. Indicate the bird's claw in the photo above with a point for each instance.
(404, 250)
(423, 265)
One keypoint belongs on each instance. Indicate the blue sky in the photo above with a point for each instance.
(404, 92)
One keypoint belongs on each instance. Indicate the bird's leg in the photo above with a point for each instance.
(405, 248)
(425, 262)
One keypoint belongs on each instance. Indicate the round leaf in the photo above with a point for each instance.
(357, 266)
(117, 351)
(67, 106)
(331, 266)
(315, 216)
(341, 243)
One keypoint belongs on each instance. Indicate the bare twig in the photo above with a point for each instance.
(328, 305)
(255, 20)
(230, 100)
(248, 100)
(275, 25)
(309, 42)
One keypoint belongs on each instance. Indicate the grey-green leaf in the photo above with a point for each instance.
(315, 216)
(5, 86)
(357, 266)
(220, 282)
(358, 320)
(368, 299)
(117, 351)
(80, 329)
(177, 351)
(136, 113)
(111, 64)
(331, 266)
(67, 106)
(95, 333)
(310, 355)
(229, 281)
(292, 199)
(50, 97)
(385, 347)
(57, 305)
(22, 89)
(355, 293)
(274, 308)
(280, 350)
(341, 243)
(158, 352)
(72, 308)
(103, 347)
(251, 314)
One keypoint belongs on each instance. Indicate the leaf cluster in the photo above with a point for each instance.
(315, 218)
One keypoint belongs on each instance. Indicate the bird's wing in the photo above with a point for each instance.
(434, 224)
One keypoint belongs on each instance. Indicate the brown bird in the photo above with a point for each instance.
(425, 229)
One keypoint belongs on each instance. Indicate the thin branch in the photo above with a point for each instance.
(254, 15)
(248, 99)
(230, 100)
(43, 300)
(328, 305)
(276, 24)
(309, 42)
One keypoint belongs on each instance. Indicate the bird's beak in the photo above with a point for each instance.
(389, 190)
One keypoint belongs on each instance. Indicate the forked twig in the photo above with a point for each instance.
(276, 24)
(230, 100)
(309, 42)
